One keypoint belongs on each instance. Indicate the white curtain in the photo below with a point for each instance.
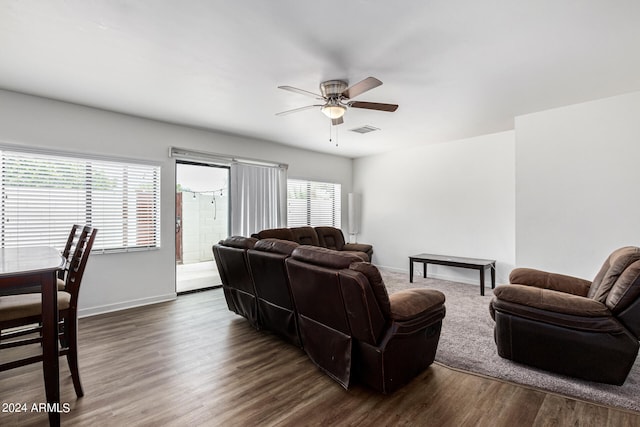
(258, 198)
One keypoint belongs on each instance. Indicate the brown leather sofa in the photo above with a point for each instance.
(237, 284)
(352, 329)
(572, 326)
(276, 311)
(326, 237)
(335, 306)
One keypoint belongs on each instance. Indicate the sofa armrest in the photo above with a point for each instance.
(553, 308)
(553, 281)
(414, 303)
(357, 247)
(551, 301)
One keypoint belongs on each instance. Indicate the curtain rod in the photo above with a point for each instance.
(187, 154)
(75, 154)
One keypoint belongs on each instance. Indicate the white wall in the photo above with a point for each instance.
(115, 281)
(577, 176)
(455, 198)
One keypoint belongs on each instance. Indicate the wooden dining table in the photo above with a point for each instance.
(26, 267)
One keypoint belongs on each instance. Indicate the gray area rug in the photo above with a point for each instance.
(466, 343)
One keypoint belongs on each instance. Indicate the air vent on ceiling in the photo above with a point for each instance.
(364, 129)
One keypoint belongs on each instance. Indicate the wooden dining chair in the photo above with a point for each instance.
(20, 315)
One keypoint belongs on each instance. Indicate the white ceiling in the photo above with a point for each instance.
(457, 68)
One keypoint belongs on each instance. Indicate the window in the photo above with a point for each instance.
(42, 195)
(313, 203)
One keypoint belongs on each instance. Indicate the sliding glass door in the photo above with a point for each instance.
(202, 219)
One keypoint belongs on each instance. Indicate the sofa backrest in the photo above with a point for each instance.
(276, 233)
(276, 246)
(301, 235)
(239, 242)
(358, 286)
(377, 285)
(322, 318)
(366, 301)
(615, 284)
(313, 272)
(231, 258)
(266, 260)
(276, 310)
(326, 237)
(233, 266)
(330, 237)
(305, 236)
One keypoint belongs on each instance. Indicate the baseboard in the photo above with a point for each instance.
(93, 311)
(392, 269)
(450, 278)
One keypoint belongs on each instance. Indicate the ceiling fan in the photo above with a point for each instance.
(336, 97)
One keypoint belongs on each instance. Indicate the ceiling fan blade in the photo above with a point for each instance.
(374, 106)
(301, 91)
(361, 87)
(295, 110)
(337, 121)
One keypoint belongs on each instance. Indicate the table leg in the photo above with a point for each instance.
(493, 275)
(50, 362)
(410, 270)
(424, 270)
(482, 281)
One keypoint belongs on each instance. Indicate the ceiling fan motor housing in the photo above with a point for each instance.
(332, 88)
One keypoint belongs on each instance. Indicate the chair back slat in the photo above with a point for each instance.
(79, 249)
(73, 237)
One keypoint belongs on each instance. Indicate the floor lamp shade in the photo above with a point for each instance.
(354, 213)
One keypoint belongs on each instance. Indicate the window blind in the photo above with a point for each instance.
(42, 195)
(313, 203)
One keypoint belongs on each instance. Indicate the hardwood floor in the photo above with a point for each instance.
(192, 362)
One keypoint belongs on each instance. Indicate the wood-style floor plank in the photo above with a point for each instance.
(191, 362)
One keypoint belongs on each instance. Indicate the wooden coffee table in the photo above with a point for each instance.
(454, 261)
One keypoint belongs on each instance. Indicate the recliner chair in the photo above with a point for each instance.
(351, 328)
(571, 326)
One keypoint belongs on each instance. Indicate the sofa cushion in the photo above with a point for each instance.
(412, 303)
(28, 305)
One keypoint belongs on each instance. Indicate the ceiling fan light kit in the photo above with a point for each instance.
(336, 95)
(333, 111)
